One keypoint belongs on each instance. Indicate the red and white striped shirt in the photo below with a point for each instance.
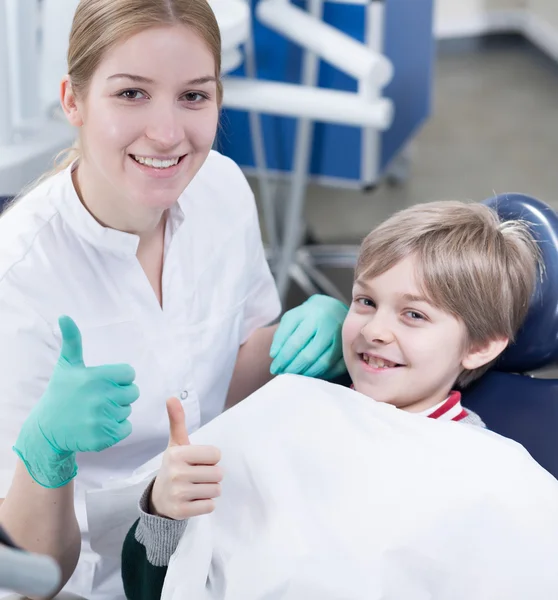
(449, 409)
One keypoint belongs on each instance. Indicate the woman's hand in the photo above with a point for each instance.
(308, 340)
(84, 409)
(189, 478)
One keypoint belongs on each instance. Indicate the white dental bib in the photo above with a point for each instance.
(329, 495)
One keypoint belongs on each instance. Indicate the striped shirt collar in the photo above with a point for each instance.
(449, 409)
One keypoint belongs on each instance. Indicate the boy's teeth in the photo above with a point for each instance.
(156, 163)
(378, 363)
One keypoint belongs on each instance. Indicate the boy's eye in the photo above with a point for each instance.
(365, 302)
(131, 94)
(415, 316)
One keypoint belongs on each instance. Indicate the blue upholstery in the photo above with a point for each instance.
(515, 405)
(521, 408)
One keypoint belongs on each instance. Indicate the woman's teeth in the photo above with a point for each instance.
(378, 363)
(156, 163)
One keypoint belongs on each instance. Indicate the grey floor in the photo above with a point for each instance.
(494, 128)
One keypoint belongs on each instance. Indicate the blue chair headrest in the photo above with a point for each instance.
(536, 344)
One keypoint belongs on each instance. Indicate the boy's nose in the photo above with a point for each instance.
(377, 331)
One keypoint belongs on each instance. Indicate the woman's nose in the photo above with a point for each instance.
(166, 127)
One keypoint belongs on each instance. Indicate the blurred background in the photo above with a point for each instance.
(493, 125)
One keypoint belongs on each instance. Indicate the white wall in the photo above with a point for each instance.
(537, 19)
(452, 14)
(541, 25)
(505, 4)
(470, 17)
(546, 10)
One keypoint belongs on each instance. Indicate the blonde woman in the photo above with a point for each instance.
(150, 242)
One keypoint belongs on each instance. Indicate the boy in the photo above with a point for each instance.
(440, 290)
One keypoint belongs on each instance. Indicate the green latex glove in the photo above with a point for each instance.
(308, 339)
(84, 409)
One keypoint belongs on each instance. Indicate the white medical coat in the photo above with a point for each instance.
(329, 495)
(55, 259)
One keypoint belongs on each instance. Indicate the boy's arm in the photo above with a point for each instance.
(147, 550)
(473, 419)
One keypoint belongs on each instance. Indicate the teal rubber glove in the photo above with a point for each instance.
(308, 339)
(82, 410)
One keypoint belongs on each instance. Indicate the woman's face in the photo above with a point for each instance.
(149, 117)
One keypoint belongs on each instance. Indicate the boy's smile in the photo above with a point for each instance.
(374, 362)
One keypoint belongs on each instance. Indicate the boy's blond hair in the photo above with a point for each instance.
(470, 264)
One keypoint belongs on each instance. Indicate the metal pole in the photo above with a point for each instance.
(371, 138)
(258, 147)
(303, 152)
(5, 94)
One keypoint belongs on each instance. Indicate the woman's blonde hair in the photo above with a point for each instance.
(470, 264)
(98, 25)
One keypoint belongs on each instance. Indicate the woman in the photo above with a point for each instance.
(150, 242)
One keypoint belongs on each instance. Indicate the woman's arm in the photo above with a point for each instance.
(307, 341)
(251, 370)
(82, 410)
(42, 520)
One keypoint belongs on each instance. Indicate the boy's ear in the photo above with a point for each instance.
(478, 356)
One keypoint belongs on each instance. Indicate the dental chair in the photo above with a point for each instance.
(510, 400)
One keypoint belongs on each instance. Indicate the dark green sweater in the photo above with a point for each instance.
(142, 580)
(146, 553)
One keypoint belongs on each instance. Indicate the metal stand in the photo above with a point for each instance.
(267, 194)
(301, 264)
(294, 221)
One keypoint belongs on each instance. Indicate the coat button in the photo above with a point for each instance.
(184, 394)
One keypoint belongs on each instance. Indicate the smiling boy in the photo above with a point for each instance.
(440, 291)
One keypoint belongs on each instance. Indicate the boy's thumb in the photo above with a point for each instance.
(178, 435)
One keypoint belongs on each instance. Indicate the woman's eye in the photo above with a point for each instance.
(131, 94)
(194, 97)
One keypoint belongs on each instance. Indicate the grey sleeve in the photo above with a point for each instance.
(473, 419)
(160, 536)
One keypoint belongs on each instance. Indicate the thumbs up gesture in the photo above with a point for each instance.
(189, 478)
(84, 409)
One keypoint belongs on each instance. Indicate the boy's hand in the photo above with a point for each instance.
(189, 477)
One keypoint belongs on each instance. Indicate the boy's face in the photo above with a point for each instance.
(397, 346)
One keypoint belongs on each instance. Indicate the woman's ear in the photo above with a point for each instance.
(69, 103)
(480, 355)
